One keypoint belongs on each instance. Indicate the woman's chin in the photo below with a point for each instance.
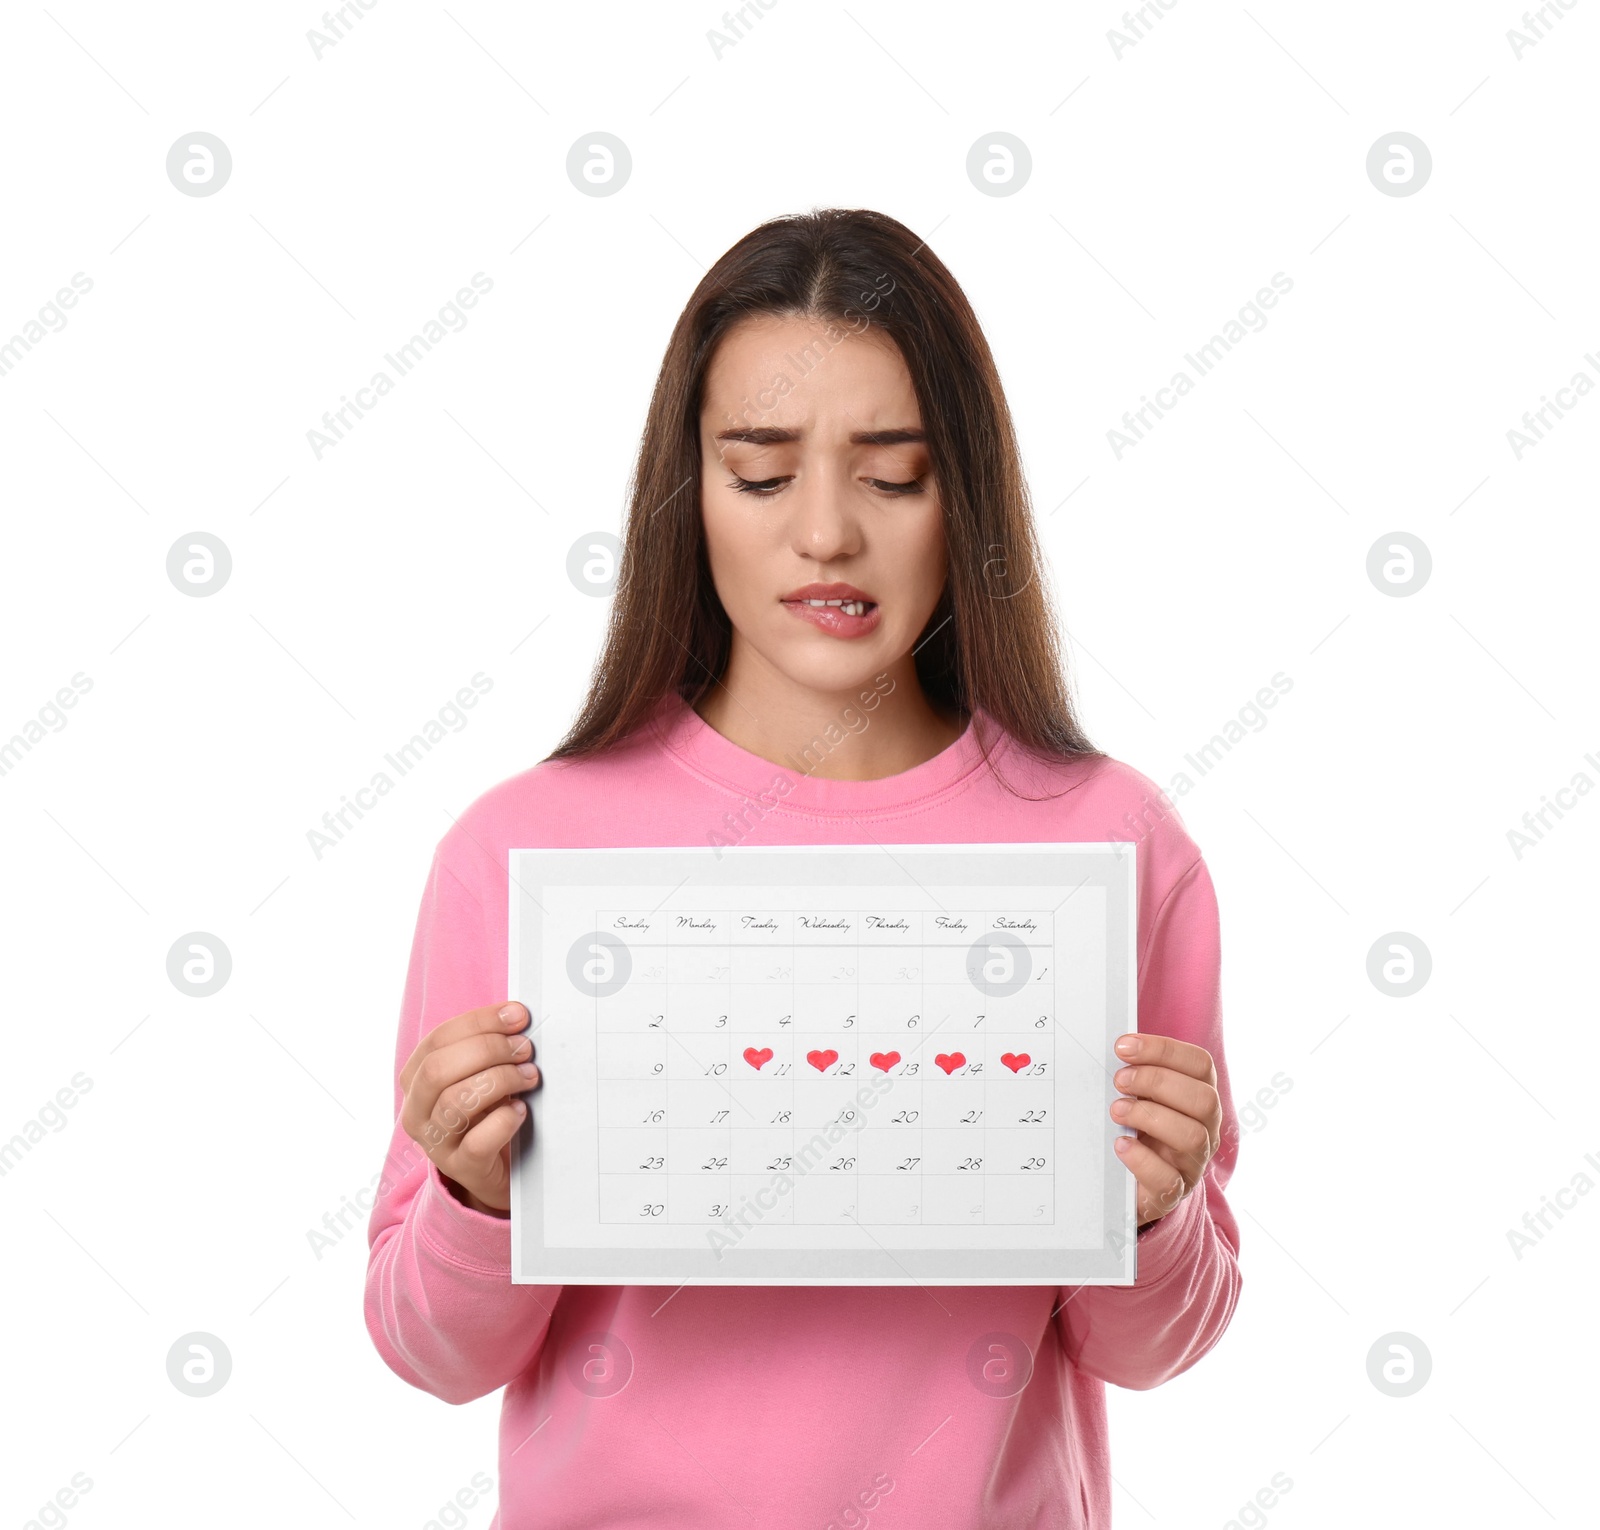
(846, 675)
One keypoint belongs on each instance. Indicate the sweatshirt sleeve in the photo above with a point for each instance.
(440, 1304)
(1188, 1282)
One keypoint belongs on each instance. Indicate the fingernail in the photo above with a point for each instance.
(1126, 1045)
(1122, 1077)
(528, 1071)
(1121, 1144)
(510, 1012)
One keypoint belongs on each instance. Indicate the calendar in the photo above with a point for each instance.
(824, 1064)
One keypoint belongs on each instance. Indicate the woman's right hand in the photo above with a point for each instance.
(462, 1104)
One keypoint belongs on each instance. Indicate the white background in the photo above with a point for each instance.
(1168, 184)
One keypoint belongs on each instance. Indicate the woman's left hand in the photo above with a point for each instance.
(1177, 1114)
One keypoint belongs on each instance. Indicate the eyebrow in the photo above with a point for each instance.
(772, 435)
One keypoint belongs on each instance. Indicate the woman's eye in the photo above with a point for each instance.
(755, 485)
(766, 487)
(914, 487)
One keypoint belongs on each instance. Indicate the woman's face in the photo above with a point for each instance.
(816, 486)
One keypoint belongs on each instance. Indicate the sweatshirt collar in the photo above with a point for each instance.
(794, 783)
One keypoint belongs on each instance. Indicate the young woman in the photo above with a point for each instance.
(831, 627)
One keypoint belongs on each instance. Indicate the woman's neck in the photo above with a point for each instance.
(879, 729)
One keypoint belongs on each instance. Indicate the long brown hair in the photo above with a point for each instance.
(991, 641)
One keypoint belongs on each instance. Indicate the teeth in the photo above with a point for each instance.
(849, 607)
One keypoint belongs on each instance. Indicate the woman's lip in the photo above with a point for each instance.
(833, 621)
(835, 591)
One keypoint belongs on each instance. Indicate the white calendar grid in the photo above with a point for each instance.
(745, 1032)
(806, 1065)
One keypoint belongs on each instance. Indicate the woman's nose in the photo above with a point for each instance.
(825, 524)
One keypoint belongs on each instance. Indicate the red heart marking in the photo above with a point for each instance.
(1015, 1061)
(822, 1061)
(758, 1060)
(884, 1060)
(950, 1061)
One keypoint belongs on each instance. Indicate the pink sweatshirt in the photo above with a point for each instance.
(795, 1406)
